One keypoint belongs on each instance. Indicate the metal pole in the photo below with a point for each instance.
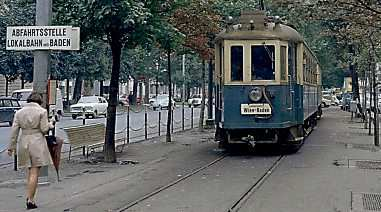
(183, 78)
(15, 161)
(159, 125)
(145, 123)
(41, 66)
(173, 117)
(83, 123)
(128, 124)
(192, 116)
(183, 117)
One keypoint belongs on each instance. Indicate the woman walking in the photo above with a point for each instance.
(33, 151)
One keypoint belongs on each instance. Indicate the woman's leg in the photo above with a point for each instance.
(32, 182)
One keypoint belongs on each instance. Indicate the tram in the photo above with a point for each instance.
(268, 83)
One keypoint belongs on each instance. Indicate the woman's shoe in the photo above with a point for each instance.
(30, 204)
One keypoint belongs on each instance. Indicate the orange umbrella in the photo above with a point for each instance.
(55, 146)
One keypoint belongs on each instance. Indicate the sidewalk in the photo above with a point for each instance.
(102, 185)
(337, 167)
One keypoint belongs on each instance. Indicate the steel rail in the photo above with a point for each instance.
(153, 193)
(255, 186)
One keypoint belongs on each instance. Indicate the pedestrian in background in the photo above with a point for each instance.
(33, 151)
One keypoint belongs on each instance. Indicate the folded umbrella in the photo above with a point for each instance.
(55, 146)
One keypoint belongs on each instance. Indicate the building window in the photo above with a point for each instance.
(263, 62)
(236, 63)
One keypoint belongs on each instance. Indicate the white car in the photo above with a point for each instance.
(23, 94)
(161, 102)
(326, 101)
(195, 100)
(92, 106)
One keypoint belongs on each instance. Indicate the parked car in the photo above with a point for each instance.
(93, 106)
(195, 100)
(161, 102)
(8, 108)
(23, 94)
(325, 101)
(347, 98)
(123, 100)
(335, 101)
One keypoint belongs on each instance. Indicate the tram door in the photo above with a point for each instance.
(292, 80)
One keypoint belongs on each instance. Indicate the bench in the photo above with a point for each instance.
(86, 136)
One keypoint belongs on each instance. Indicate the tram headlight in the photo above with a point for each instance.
(256, 94)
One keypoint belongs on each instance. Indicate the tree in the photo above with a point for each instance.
(199, 23)
(123, 23)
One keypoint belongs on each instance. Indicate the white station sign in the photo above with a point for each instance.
(25, 38)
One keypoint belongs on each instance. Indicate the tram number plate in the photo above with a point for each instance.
(255, 109)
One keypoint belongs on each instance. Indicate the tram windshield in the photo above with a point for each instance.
(236, 63)
(263, 62)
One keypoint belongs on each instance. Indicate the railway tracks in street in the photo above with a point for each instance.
(155, 192)
(246, 191)
(254, 187)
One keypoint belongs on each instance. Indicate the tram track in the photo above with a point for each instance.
(237, 205)
(160, 189)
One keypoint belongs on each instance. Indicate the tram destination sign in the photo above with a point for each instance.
(25, 38)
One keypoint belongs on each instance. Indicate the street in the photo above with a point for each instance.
(192, 174)
(136, 126)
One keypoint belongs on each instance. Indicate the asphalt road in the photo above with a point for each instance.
(137, 126)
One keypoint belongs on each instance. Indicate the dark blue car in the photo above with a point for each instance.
(8, 108)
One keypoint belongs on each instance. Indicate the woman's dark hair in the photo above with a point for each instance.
(34, 97)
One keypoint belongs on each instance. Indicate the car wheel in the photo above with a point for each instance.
(74, 116)
(154, 108)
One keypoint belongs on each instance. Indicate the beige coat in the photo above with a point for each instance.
(33, 150)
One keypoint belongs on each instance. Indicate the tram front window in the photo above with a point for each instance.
(263, 62)
(236, 63)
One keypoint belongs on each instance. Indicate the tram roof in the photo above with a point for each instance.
(272, 31)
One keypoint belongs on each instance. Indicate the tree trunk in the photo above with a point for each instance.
(22, 78)
(116, 49)
(140, 92)
(169, 119)
(370, 100)
(101, 89)
(88, 88)
(203, 92)
(135, 91)
(375, 100)
(147, 91)
(77, 89)
(68, 93)
(210, 90)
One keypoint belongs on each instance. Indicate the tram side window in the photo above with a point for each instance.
(292, 67)
(236, 63)
(283, 72)
(263, 62)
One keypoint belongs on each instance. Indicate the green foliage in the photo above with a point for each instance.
(15, 64)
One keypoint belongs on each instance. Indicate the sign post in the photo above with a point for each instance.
(41, 66)
(41, 39)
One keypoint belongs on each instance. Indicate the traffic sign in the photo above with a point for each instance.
(25, 38)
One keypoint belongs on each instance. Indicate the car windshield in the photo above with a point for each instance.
(88, 99)
(21, 96)
(161, 97)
